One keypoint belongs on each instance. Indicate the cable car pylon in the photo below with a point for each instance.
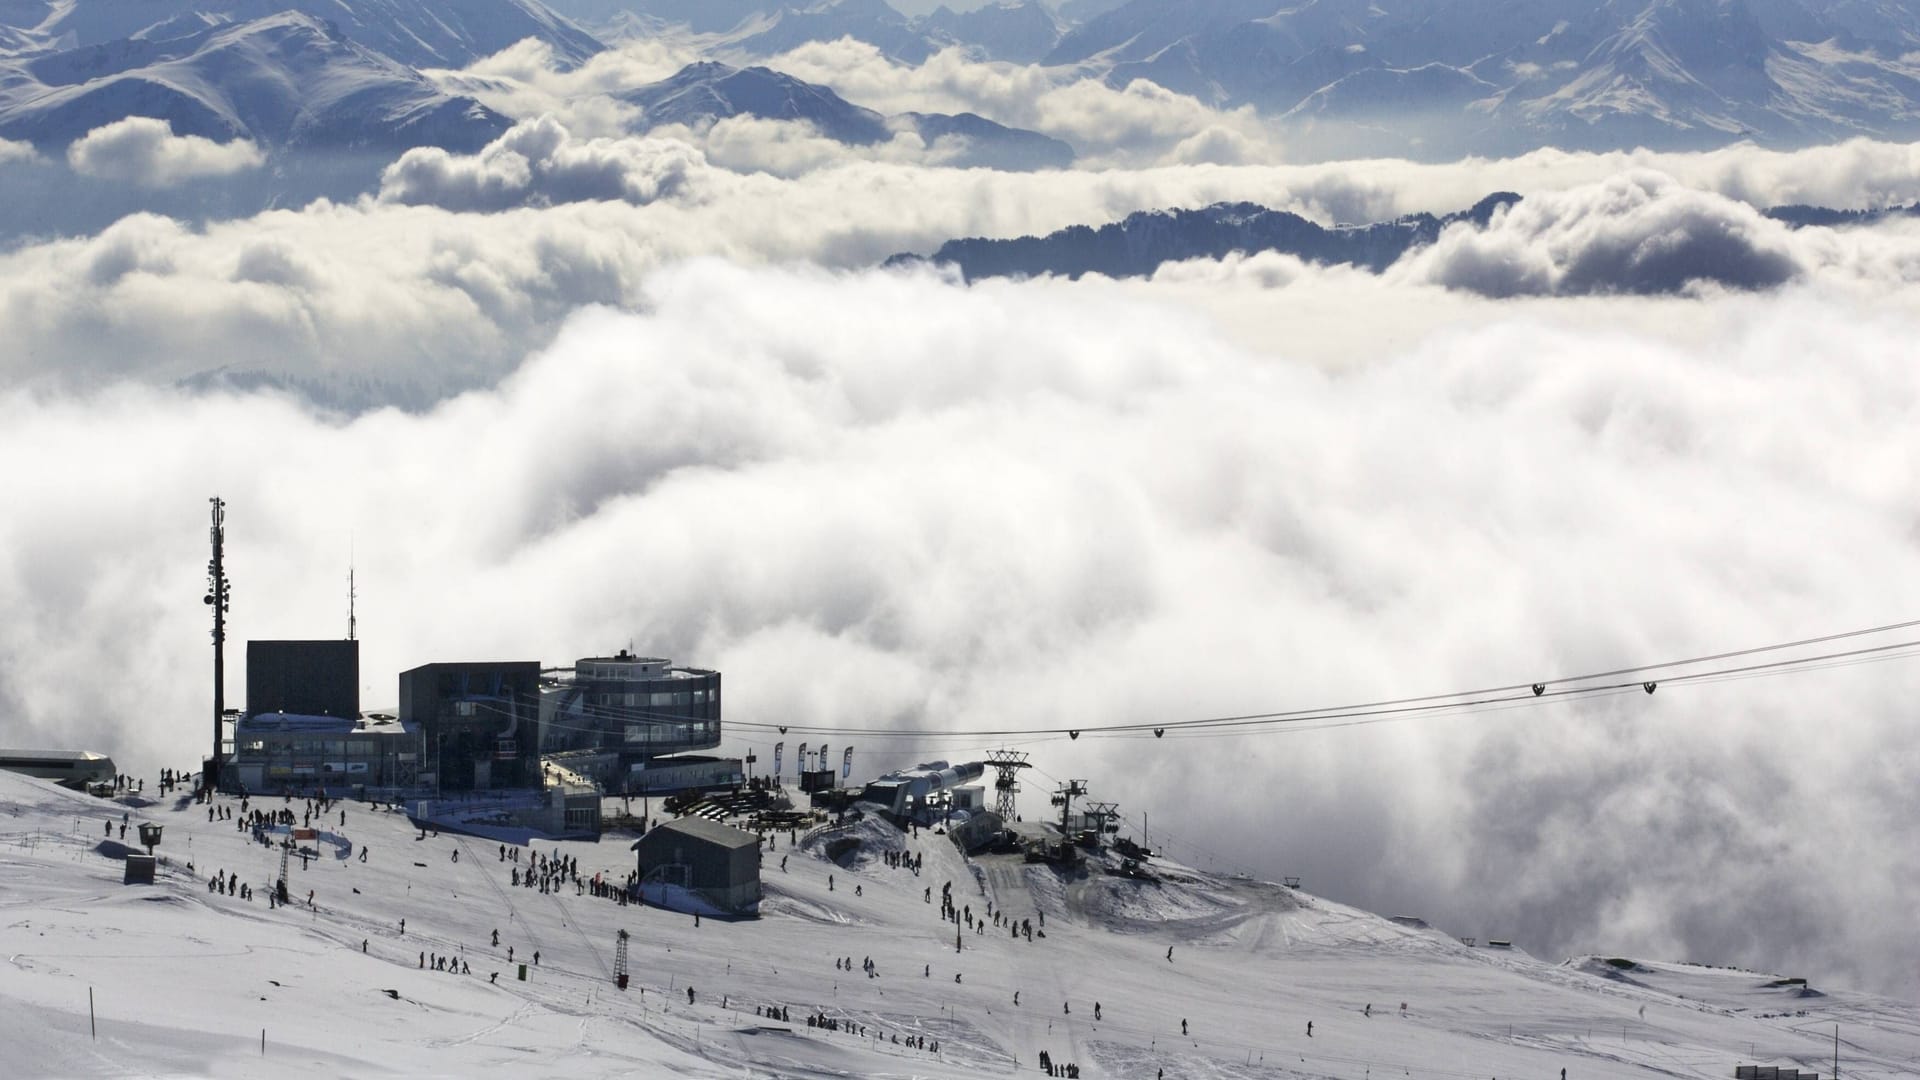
(1008, 764)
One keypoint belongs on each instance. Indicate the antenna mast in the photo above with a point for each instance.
(218, 595)
(352, 623)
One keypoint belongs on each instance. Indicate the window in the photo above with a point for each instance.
(463, 708)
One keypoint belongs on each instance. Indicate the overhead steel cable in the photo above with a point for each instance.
(1545, 690)
(1484, 699)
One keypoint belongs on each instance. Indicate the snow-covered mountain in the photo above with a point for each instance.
(386, 961)
(418, 33)
(1441, 77)
(708, 91)
(285, 81)
(872, 21)
(1021, 32)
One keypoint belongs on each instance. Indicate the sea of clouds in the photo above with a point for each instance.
(586, 388)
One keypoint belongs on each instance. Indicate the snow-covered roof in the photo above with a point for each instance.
(711, 831)
(52, 755)
(267, 723)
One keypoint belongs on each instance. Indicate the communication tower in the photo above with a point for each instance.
(218, 595)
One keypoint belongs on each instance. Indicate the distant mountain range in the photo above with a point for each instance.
(1428, 79)
(345, 75)
(285, 81)
(344, 84)
(340, 75)
(417, 33)
(1438, 78)
(1142, 242)
(1018, 32)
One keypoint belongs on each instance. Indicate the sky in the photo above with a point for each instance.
(583, 389)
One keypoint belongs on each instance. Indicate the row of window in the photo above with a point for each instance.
(620, 671)
(669, 733)
(663, 699)
(330, 747)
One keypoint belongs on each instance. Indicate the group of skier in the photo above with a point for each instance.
(452, 964)
(1054, 1068)
(229, 885)
(833, 1023)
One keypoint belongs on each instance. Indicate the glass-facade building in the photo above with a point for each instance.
(635, 707)
(479, 721)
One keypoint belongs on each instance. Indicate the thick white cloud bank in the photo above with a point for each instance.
(1640, 232)
(419, 294)
(1145, 126)
(1140, 124)
(885, 499)
(144, 151)
(539, 163)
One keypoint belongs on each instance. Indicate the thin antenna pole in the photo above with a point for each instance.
(218, 594)
(352, 594)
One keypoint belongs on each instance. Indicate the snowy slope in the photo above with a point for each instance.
(1498, 76)
(185, 981)
(1020, 32)
(419, 33)
(283, 80)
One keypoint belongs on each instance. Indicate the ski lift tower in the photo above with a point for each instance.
(1103, 818)
(620, 961)
(1063, 798)
(1008, 764)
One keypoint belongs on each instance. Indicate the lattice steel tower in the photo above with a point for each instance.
(1008, 763)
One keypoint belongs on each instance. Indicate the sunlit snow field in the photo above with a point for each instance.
(185, 982)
